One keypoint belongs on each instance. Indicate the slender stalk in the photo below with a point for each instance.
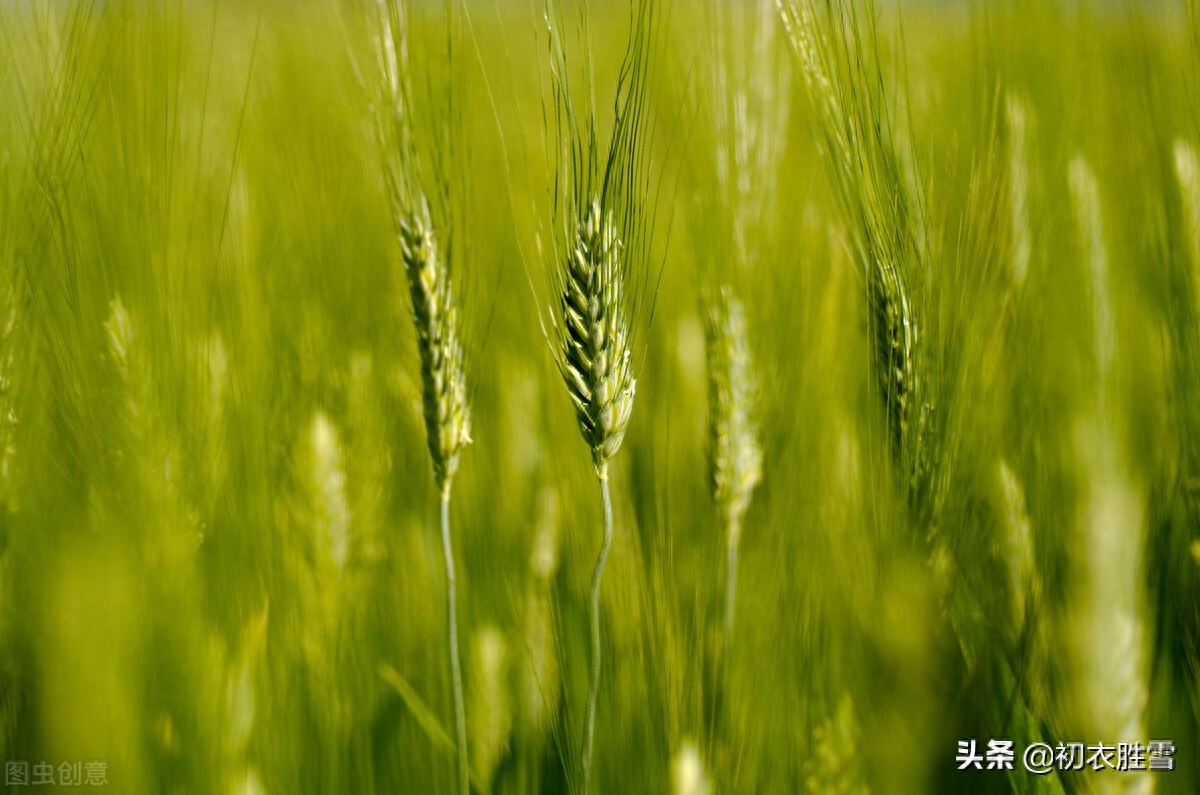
(723, 703)
(460, 715)
(589, 727)
(731, 567)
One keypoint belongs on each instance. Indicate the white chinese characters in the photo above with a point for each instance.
(1043, 758)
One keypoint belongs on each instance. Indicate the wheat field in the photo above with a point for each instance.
(627, 396)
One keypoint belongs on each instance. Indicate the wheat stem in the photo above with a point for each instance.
(731, 569)
(589, 727)
(460, 717)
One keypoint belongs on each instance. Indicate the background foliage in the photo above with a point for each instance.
(218, 568)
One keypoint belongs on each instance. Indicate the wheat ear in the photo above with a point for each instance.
(895, 347)
(596, 361)
(435, 314)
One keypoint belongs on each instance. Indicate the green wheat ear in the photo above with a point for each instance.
(596, 361)
(435, 314)
(895, 357)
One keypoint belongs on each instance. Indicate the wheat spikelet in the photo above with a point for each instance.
(1085, 200)
(1187, 174)
(240, 691)
(435, 314)
(1016, 119)
(1018, 543)
(122, 354)
(491, 703)
(327, 488)
(595, 358)
(736, 457)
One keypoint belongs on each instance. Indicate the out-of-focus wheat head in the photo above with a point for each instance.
(1019, 553)
(735, 223)
(1016, 118)
(1107, 616)
(834, 768)
(491, 702)
(1187, 175)
(1107, 625)
(1085, 200)
(736, 457)
(838, 58)
(149, 452)
(327, 490)
(242, 702)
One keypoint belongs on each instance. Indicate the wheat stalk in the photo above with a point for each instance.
(600, 198)
(595, 365)
(435, 312)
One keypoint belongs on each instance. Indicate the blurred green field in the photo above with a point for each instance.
(220, 570)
